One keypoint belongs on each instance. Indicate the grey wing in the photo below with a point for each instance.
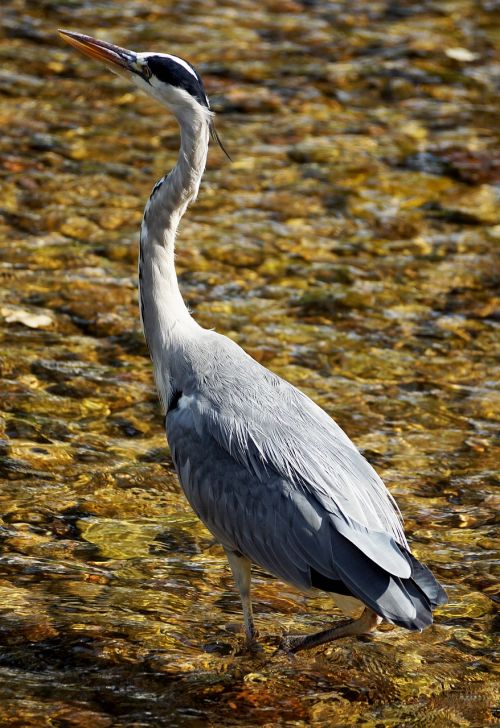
(278, 525)
(268, 425)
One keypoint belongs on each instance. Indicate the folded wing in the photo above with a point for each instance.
(272, 476)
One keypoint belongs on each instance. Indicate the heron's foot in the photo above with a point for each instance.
(249, 647)
(349, 628)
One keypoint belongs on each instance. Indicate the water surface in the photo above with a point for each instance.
(350, 247)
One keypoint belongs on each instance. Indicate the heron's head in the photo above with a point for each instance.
(171, 80)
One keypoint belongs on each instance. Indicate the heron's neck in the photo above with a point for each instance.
(165, 317)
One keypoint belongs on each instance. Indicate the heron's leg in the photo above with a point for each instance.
(240, 566)
(368, 622)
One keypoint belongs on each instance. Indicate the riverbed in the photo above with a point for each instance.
(351, 246)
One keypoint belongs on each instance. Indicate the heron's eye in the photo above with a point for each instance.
(146, 72)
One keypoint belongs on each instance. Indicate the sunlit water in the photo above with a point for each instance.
(350, 247)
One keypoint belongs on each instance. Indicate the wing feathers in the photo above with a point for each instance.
(266, 424)
(379, 547)
(272, 476)
(398, 601)
(425, 580)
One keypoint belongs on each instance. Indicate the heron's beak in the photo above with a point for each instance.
(119, 60)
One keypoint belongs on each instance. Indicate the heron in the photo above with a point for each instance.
(271, 475)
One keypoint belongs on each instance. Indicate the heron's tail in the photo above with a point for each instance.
(407, 602)
(426, 582)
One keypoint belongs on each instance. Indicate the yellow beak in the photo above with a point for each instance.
(116, 58)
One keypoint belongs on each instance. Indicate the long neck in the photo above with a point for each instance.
(165, 317)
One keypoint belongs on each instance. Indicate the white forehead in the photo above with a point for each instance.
(180, 61)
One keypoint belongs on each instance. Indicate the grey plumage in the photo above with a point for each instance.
(289, 503)
(271, 475)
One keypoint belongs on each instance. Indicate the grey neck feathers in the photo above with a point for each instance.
(166, 320)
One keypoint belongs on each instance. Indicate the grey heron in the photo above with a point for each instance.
(271, 475)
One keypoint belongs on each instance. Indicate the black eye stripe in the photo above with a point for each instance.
(173, 73)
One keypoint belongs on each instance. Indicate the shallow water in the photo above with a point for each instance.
(351, 247)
